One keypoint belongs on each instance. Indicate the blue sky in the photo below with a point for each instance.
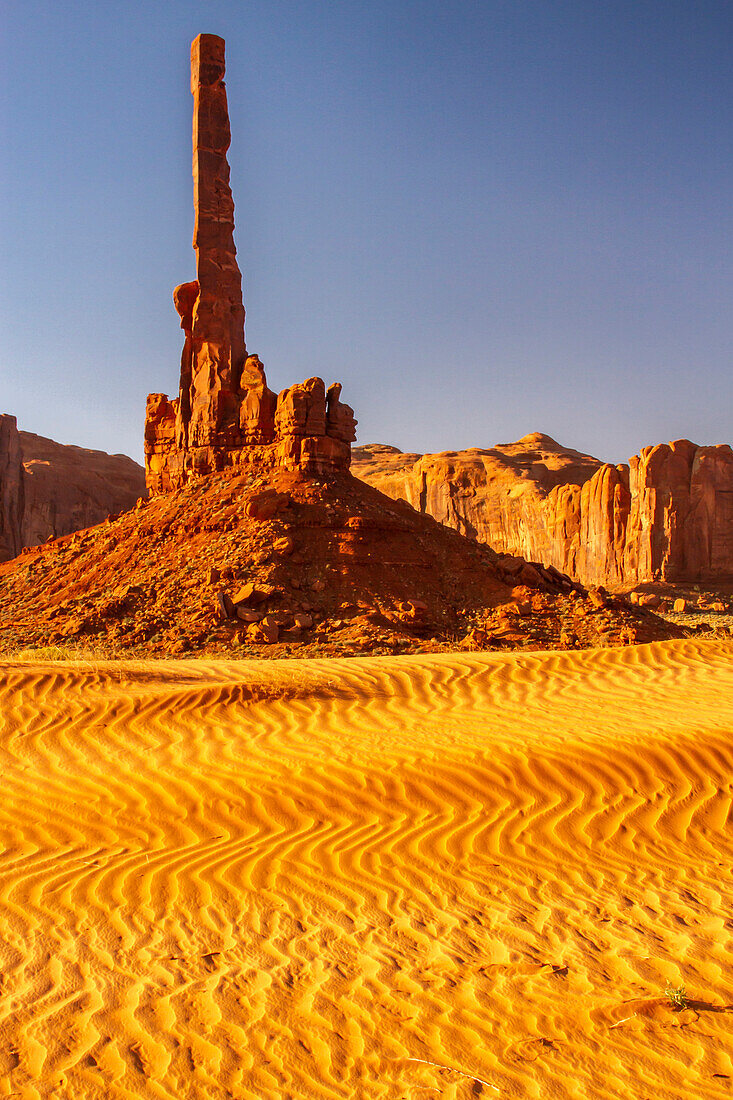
(485, 218)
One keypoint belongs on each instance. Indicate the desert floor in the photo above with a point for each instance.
(313, 879)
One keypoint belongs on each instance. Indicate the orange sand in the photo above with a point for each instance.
(288, 879)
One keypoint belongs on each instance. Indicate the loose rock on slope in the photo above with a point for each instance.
(285, 563)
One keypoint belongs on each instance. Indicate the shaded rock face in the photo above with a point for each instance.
(11, 489)
(48, 489)
(225, 415)
(668, 515)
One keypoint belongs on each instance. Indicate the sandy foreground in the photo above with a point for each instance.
(310, 879)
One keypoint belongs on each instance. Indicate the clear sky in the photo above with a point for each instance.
(484, 217)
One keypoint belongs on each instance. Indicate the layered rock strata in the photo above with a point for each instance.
(667, 515)
(225, 415)
(48, 489)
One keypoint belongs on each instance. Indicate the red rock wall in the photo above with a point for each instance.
(48, 489)
(11, 489)
(522, 498)
(668, 515)
(681, 519)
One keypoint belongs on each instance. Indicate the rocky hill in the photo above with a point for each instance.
(49, 489)
(278, 562)
(667, 515)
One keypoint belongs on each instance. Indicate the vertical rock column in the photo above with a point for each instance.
(12, 495)
(224, 414)
(217, 334)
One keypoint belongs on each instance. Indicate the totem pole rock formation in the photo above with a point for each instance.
(224, 414)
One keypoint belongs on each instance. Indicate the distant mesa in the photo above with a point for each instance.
(225, 415)
(666, 516)
(48, 489)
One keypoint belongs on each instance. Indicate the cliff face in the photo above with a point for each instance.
(48, 488)
(668, 515)
(11, 488)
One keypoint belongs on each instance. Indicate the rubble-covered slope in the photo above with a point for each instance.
(285, 564)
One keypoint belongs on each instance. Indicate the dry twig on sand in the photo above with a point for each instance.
(452, 1069)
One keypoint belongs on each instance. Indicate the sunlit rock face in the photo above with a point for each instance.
(667, 515)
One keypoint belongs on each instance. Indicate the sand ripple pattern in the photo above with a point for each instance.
(451, 875)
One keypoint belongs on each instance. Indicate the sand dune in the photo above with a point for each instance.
(334, 878)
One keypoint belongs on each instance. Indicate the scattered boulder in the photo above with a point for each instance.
(224, 605)
(263, 633)
(246, 616)
(598, 597)
(283, 546)
(279, 619)
(250, 595)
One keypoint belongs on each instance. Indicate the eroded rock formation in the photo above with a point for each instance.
(12, 497)
(225, 414)
(681, 517)
(49, 489)
(330, 566)
(667, 515)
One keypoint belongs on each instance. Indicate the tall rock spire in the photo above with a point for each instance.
(225, 415)
(217, 351)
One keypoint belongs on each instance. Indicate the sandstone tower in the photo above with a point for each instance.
(224, 414)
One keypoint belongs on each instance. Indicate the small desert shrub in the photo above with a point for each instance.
(45, 653)
(53, 653)
(676, 996)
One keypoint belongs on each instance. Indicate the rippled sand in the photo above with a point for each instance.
(287, 879)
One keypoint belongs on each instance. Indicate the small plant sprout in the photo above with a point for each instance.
(676, 996)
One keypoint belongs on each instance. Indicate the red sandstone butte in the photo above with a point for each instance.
(49, 489)
(225, 415)
(667, 515)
